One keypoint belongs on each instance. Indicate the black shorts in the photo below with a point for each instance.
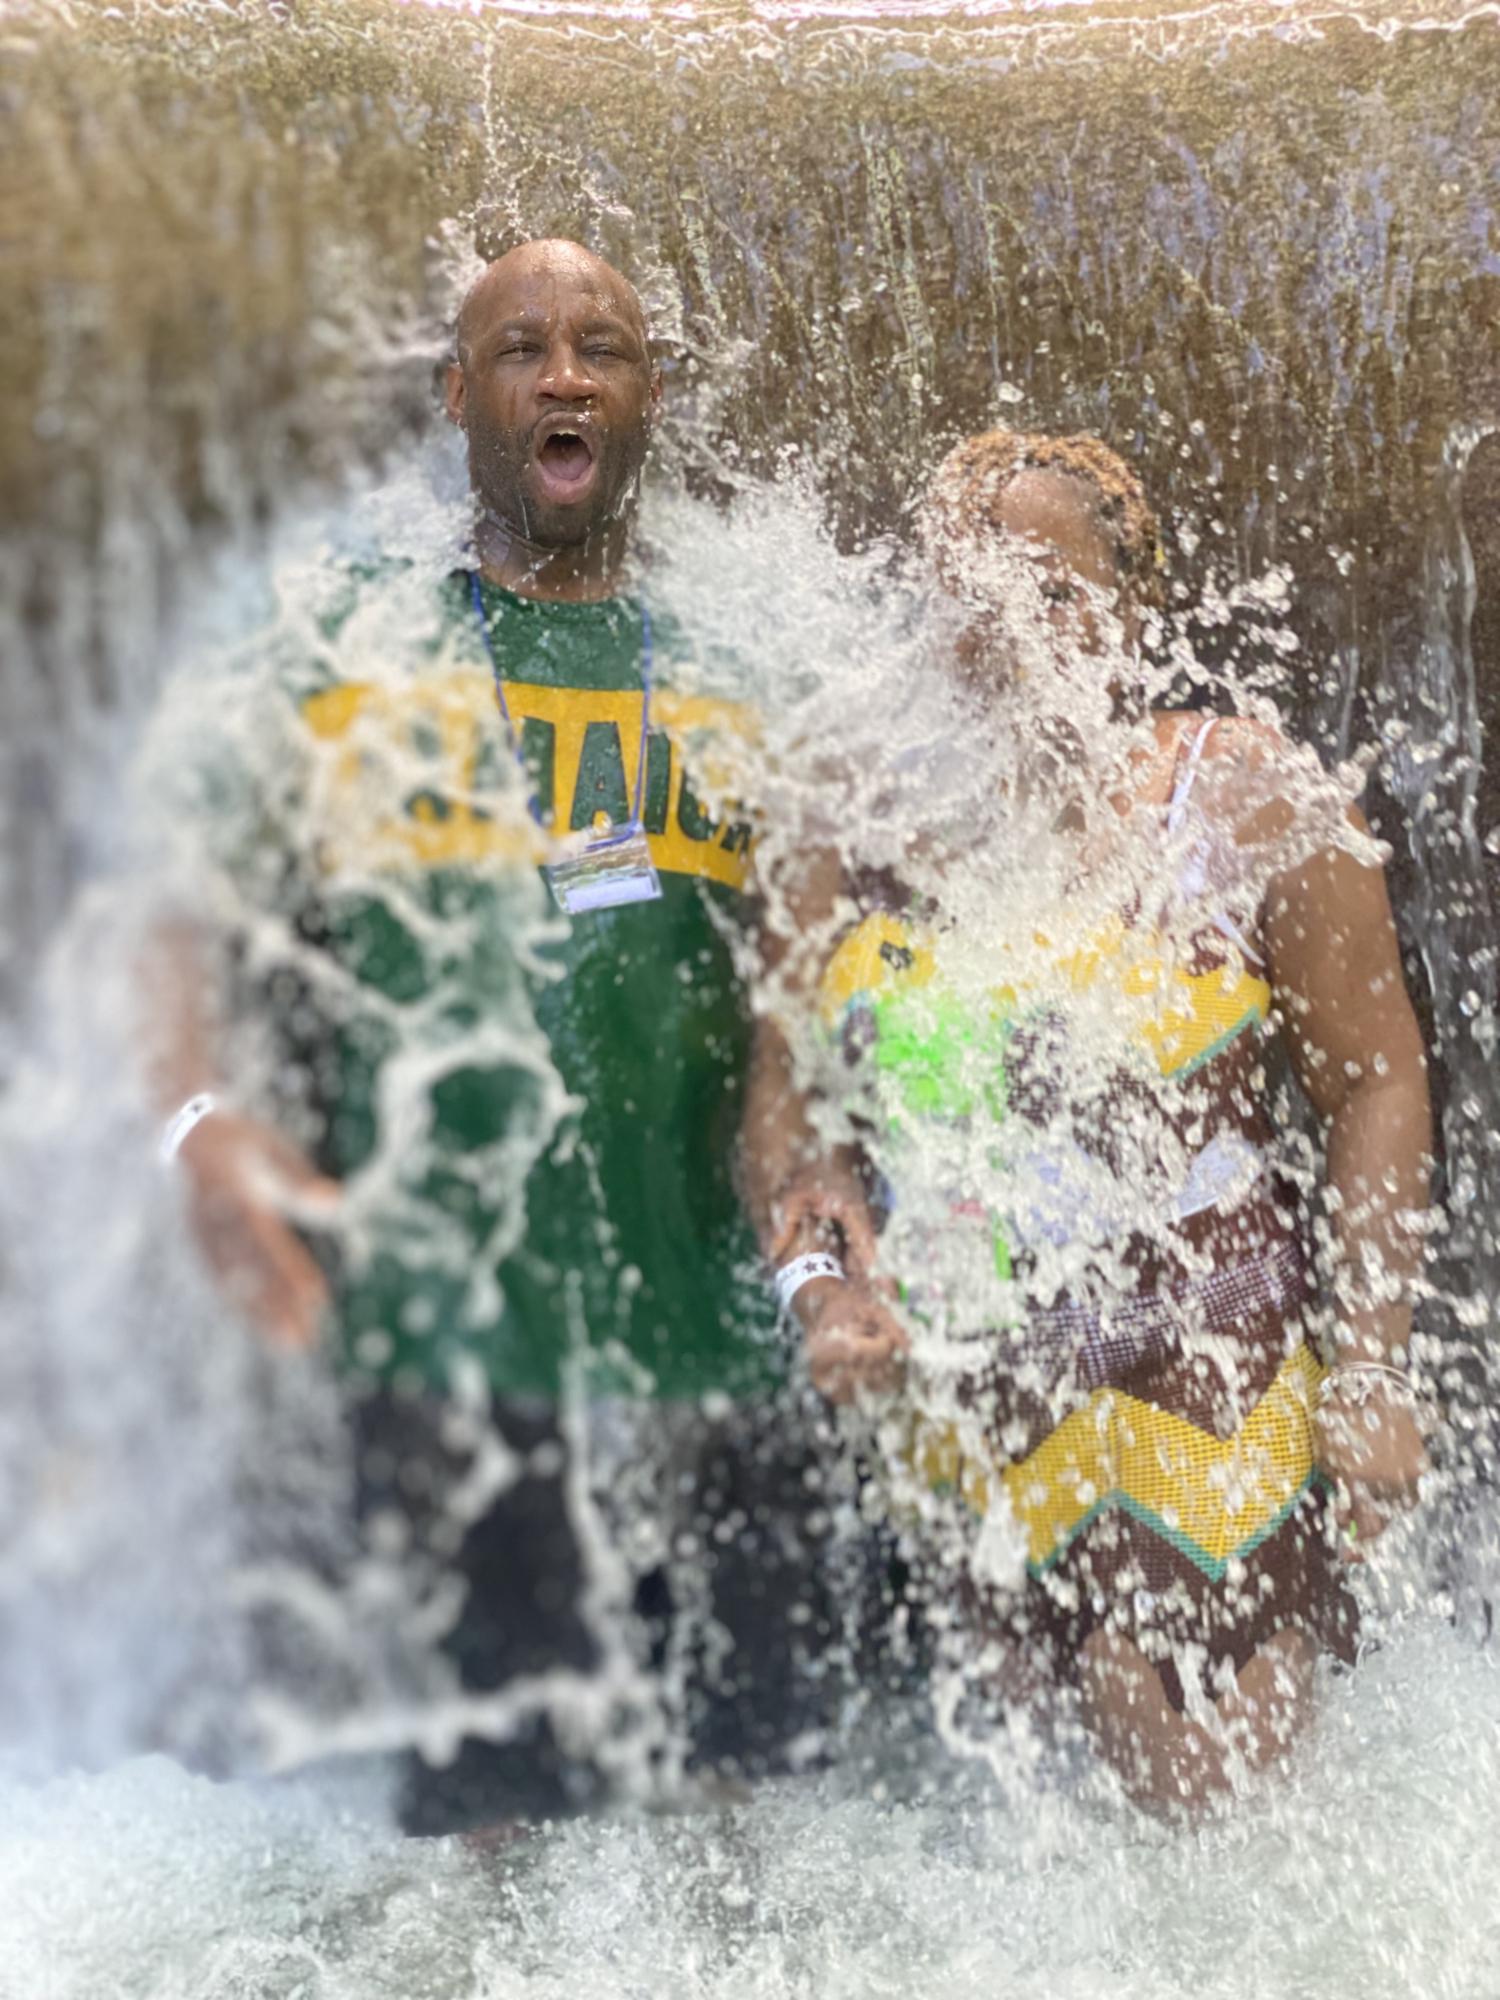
(739, 1605)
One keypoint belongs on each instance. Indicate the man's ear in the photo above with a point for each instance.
(453, 393)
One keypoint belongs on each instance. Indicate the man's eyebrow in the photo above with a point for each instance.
(610, 320)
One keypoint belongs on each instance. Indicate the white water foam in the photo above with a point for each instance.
(1368, 1870)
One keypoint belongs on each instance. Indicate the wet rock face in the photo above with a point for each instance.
(1259, 262)
(1481, 512)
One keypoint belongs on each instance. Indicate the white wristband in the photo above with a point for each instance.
(790, 1279)
(184, 1121)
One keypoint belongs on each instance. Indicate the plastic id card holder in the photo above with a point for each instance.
(611, 869)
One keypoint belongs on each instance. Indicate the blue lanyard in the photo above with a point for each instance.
(477, 597)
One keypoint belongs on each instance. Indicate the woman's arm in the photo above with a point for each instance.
(1336, 975)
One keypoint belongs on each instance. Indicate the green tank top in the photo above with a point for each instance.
(633, 1253)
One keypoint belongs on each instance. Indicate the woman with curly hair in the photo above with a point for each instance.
(1113, 1358)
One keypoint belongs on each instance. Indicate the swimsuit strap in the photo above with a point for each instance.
(1177, 806)
(1191, 877)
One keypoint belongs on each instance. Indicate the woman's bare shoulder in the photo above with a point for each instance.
(1252, 741)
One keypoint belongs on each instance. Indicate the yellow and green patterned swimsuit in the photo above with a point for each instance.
(1169, 1468)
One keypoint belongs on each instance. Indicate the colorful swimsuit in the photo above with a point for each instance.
(1154, 1441)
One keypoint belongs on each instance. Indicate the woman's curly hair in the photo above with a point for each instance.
(967, 487)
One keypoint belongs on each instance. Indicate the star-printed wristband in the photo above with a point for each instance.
(801, 1271)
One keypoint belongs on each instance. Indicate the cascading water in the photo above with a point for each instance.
(1255, 248)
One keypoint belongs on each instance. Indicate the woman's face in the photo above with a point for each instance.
(1042, 580)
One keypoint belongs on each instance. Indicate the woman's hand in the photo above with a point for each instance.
(1370, 1445)
(247, 1187)
(855, 1343)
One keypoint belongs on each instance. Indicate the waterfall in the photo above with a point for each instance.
(1250, 243)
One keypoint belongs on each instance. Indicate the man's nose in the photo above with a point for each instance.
(566, 375)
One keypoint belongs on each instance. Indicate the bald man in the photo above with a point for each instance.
(554, 388)
(398, 879)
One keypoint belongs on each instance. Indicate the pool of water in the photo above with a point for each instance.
(1368, 1871)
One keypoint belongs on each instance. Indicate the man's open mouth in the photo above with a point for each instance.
(565, 461)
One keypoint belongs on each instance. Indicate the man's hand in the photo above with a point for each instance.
(855, 1343)
(825, 1208)
(246, 1181)
(1370, 1445)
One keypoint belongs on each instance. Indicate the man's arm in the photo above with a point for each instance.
(1336, 974)
(245, 1181)
(803, 1192)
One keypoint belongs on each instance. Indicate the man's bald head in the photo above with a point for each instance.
(554, 385)
(548, 257)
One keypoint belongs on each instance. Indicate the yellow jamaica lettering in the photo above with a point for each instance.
(411, 778)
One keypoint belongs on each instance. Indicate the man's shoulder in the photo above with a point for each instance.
(363, 620)
(690, 661)
(426, 600)
(334, 628)
(702, 685)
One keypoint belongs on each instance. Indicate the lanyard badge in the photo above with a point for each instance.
(598, 871)
(607, 870)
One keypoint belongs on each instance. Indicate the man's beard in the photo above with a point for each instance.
(501, 468)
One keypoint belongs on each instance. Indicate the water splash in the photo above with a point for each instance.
(1089, 221)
